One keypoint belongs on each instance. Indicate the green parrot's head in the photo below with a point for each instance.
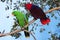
(14, 13)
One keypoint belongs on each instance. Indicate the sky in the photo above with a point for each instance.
(6, 24)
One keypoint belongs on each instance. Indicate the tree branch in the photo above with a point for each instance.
(56, 8)
(33, 36)
(17, 30)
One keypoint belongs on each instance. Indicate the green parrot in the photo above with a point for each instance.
(22, 20)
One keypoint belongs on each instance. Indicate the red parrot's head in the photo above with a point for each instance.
(28, 6)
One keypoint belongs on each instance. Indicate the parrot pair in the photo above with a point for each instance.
(37, 13)
(22, 20)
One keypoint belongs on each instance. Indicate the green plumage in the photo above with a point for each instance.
(22, 20)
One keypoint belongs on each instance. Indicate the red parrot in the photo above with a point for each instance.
(37, 13)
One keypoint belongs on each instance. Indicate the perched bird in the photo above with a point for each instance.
(22, 20)
(37, 13)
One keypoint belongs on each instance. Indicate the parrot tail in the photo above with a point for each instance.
(45, 21)
(27, 34)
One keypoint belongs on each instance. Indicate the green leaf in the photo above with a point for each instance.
(3, 0)
(49, 32)
(53, 36)
(42, 29)
(51, 7)
(49, 38)
(58, 25)
(52, 15)
(55, 17)
(7, 17)
(59, 13)
(16, 35)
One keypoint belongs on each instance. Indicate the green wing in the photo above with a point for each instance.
(22, 20)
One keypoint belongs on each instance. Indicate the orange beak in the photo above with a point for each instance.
(12, 14)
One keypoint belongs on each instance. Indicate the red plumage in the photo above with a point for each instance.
(37, 13)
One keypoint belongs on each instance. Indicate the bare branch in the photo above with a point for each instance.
(33, 36)
(56, 8)
(17, 30)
